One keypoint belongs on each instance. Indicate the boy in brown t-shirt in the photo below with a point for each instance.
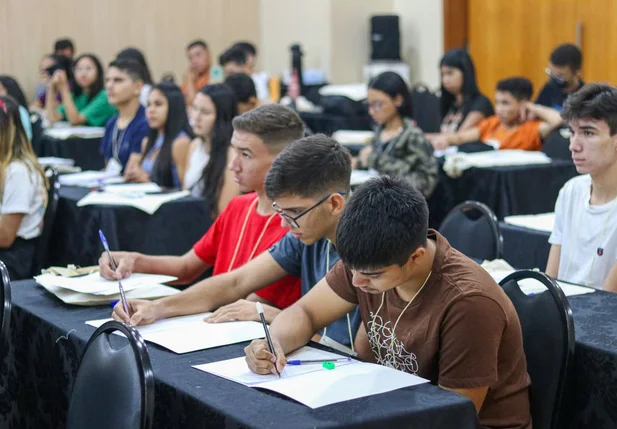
(427, 309)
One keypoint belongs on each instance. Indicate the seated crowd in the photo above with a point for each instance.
(358, 270)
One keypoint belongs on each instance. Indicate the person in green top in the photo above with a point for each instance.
(87, 103)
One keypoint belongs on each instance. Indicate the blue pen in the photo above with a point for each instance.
(115, 267)
(311, 361)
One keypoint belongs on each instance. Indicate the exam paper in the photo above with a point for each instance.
(144, 202)
(85, 299)
(500, 269)
(354, 91)
(314, 386)
(353, 137)
(96, 285)
(541, 222)
(457, 163)
(358, 177)
(89, 178)
(63, 133)
(132, 188)
(52, 160)
(186, 334)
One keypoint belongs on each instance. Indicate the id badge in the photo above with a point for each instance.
(327, 341)
(113, 167)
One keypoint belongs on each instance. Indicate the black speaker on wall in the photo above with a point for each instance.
(385, 38)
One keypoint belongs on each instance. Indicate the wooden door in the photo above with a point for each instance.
(515, 37)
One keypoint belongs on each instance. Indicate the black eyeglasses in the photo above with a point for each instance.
(293, 221)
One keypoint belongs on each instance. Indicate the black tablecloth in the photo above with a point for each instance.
(85, 152)
(508, 191)
(524, 247)
(327, 124)
(48, 338)
(171, 230)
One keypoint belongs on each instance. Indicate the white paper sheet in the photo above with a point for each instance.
(354, 91)
(96, 285)
(186, 334)
(353, 137)
(358, 177)
(88, 178)
(457, 163)
(541, 222)
(500, 269)
(52, 160)
(314, 386)
(133, 188)
(85, 299)
(146, 203)
(64, 133)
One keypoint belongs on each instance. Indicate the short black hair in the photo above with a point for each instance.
(130, 67)
(311, 167)
(521, 88)
(242, 85)
(198, 42)
(276, 125)
(567, 55)
(62, 44)
(594, 101)
(247, 47)
(233, 55)
(384, 222)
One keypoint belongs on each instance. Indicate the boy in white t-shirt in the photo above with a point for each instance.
(22, 194)
(584, 238)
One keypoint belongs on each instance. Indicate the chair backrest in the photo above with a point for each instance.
(425, 109)
(556, 146)
(549, 342)
(5, 313)
(53, 197)
(114, 388)
(472, 228)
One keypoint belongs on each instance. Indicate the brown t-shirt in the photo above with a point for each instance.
(461, 331)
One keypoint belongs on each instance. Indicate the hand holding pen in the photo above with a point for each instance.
(114, 266)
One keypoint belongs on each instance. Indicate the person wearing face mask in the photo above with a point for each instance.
(512, 126)
(564, 73)
(207, 175)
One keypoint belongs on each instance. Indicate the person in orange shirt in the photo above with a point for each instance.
(517, 124)
(198, 73)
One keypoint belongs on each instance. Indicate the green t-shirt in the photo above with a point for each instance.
(96, 112)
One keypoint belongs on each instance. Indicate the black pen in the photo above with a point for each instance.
(260, 310)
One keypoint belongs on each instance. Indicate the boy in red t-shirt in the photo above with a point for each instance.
(247, 227)
(517, 123)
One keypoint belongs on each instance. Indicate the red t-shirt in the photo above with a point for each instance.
(218, 245)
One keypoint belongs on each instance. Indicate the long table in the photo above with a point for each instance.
(85, 151)
(171, 230)
(48, 337)
(525, 247)
(508, 191)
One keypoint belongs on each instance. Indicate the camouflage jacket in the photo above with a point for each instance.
(408, 155)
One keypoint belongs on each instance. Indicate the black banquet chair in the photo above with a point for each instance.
(549, 342)
(114, 387)
(5, 315)
(473, 229)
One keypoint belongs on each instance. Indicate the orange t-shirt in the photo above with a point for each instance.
(526, 136)
(199, 83)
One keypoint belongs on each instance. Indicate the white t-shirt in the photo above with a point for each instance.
(198, 159)
(24, 192)
(587, 234)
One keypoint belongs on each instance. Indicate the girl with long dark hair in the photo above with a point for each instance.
(207, 175)
(399, 147)
(164, 151)
(87, 103)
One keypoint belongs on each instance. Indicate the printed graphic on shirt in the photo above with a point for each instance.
(387, 349)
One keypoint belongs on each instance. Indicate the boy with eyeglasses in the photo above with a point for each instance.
(307, 183)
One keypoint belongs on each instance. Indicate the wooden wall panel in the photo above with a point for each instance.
(161, 28)
(599, 39)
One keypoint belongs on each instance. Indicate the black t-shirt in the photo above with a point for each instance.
(553, 96)
(457, 113)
